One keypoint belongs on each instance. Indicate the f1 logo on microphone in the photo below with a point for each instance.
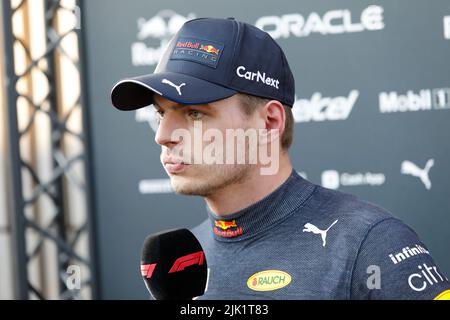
(187, 261)
(180, 264)
(147, 270)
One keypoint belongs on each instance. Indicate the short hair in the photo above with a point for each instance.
(250, 103)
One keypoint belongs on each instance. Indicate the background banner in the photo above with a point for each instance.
(372, 114)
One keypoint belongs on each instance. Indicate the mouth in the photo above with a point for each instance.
(174, 167)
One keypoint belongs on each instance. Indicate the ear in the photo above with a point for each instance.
(274, 118)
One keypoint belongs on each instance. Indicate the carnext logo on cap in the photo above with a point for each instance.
(198, 50)
(258, 77)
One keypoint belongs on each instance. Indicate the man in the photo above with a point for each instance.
(270, 234)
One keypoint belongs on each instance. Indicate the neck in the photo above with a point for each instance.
(241, 195)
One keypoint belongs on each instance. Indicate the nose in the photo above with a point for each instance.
(164, 135)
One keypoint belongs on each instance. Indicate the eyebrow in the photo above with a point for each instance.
(179, 106)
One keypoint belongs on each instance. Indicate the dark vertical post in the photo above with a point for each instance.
(90, 183)
(18, 205)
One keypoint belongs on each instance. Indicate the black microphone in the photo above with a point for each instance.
(173, 265)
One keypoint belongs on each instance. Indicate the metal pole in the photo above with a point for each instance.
(17, 206)
(57, 140)
(90, 182)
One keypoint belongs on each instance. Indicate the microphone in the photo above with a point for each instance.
(173, 265)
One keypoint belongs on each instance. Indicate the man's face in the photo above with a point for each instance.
(186, 157)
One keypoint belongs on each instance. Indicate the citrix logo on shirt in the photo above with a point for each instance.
(424, 277)
(257, 76)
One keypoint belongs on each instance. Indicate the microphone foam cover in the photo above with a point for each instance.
(173, 265)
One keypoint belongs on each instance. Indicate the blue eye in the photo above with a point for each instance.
(196, 115)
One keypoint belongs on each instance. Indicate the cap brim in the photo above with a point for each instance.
(135, 93)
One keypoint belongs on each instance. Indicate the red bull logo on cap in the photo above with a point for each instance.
(188, 44)
(210, 49)
(202, 51)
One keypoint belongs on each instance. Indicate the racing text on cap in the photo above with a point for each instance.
(198, 50)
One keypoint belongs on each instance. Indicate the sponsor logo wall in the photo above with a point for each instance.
(372, 113)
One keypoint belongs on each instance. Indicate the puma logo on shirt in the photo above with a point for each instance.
(323, 233)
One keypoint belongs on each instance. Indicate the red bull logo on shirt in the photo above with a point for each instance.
(224, 225)
(223, 229)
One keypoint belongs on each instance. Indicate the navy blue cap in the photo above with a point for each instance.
(209, 60)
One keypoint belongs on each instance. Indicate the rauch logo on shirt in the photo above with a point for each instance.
(269, 280)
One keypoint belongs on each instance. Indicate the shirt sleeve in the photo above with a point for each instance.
(392, 263)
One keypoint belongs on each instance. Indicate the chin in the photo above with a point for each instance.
(189, 186)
